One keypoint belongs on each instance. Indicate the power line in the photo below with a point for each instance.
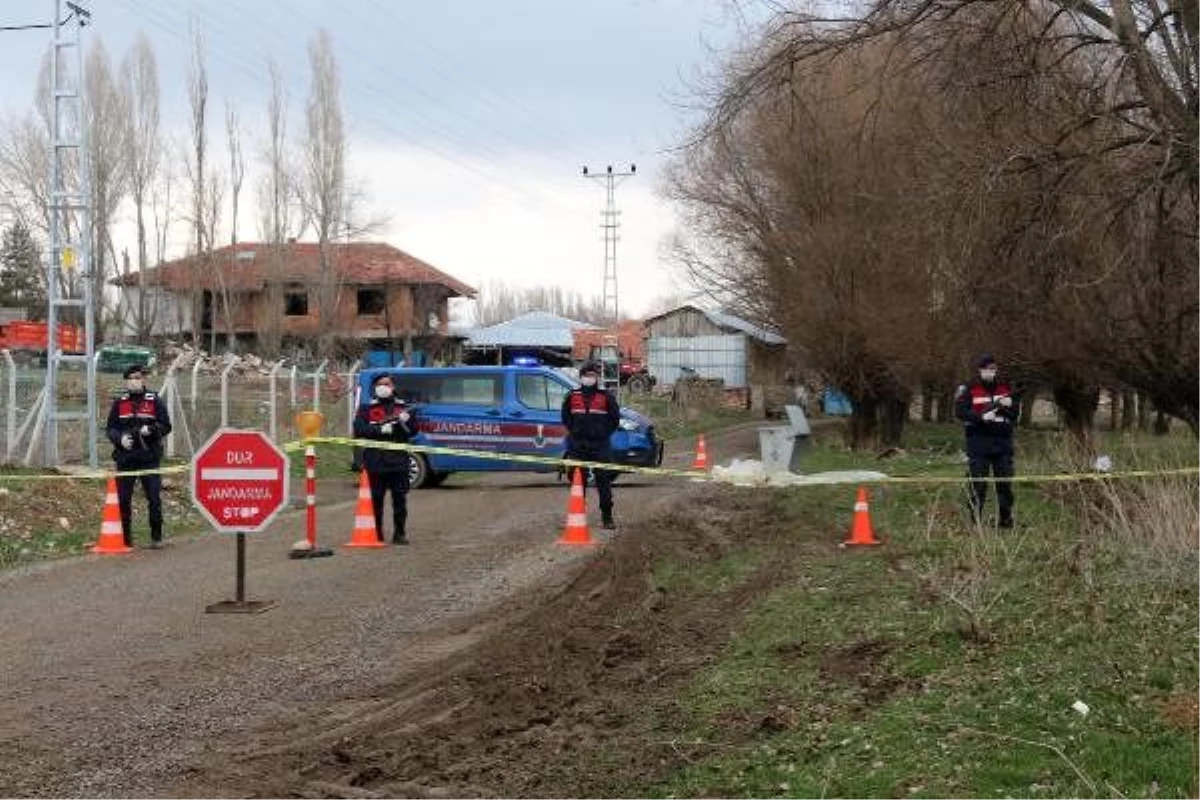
(381, 125)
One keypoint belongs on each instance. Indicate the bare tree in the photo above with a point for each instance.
(237, 174)
(108, 162)
(25, 170)
(195, 161)
(139, 79)
(498, 302)
(323, 183)
(275, 203)
(1117, 161)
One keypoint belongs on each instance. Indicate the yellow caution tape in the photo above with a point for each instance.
(493, 455)
(692, 474)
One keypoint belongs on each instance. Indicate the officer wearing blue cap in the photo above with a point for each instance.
(989, 411)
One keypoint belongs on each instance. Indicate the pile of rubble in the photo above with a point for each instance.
(183, 355)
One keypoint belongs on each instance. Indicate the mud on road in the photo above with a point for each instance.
(421, 671)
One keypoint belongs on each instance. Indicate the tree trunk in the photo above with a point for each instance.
(893, 413)
(863, 432)
(1078, 406)
(1128, 410)
(1162, 424)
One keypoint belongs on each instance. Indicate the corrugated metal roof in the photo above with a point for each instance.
(723, 320)
(535, 329)
(727, 322)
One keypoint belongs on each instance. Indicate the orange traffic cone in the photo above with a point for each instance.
(860, 530)
(576, 531)
(701, 461)
(112, 537)
(364, 534)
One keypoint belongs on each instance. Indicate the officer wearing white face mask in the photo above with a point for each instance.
(387, 418)
(137, 423)
(989, 411)
(591, 415)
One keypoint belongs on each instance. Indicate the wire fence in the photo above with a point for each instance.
(201, 396)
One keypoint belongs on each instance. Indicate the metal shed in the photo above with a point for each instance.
(714, 345)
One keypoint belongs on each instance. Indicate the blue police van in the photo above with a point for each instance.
(498, 410)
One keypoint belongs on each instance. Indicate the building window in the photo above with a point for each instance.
(295, 304)
(370, 301)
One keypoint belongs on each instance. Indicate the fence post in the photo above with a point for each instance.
(272, 418)
(34, 416)
(195, 369)
(316, 403)
(225, 392)
(351, 397)
(11, 415)
(170, 390)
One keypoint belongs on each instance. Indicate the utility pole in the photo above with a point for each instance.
(69, 267)
(610, 223)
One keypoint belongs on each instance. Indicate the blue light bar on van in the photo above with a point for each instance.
(525, 361)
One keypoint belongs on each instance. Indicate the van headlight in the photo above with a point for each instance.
(629, 425)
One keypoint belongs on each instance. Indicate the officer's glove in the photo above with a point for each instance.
(386, 428)
(990, 416)
(127, 441)
(144, 430)
(1006, 402)
(404, 415)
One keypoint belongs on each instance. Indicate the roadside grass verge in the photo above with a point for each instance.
(45, 515)
(946, 662)
(673, 420)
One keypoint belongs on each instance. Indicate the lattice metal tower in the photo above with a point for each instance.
(70, 274)
(611, 222)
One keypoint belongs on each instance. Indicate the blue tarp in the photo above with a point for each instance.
(392, 358)
(835, 404)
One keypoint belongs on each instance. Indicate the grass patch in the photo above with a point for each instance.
(675, 420)
(946, 662)
(46, 515)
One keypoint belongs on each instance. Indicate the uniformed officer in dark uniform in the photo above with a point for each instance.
(591, 415)
(989, 410)
(137, 423)
(387, 418)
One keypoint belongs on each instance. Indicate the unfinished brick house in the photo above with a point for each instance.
(378, 296)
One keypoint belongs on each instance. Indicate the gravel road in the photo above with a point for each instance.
(116, 678)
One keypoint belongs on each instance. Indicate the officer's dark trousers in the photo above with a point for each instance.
(395, 482)
(603, 477)
(152, 486)
(999, 465)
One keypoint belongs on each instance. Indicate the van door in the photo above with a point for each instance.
(459, 410)
(535, 417)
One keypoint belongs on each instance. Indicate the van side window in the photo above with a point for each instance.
(540, 393)
(469, 390)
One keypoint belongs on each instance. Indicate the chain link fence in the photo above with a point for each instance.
(202, 396)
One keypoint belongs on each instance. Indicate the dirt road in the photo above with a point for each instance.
(116, 681)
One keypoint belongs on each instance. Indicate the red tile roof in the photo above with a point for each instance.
(247, 265)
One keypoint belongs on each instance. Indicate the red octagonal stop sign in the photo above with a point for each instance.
(239, 480)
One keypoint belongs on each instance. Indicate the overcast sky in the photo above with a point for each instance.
(468, 121)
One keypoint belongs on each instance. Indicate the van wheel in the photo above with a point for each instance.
(418, 472)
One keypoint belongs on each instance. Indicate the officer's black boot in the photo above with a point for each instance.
(398, 535)
(606, 519)
(127, 529)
